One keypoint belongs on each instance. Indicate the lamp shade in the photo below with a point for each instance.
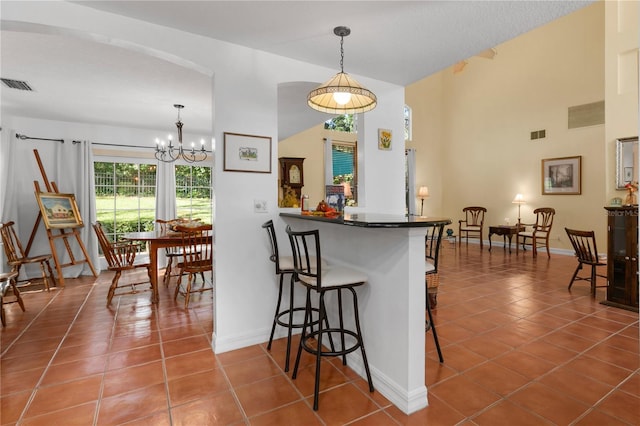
(342, 95)
(423, 192)
(519, 199)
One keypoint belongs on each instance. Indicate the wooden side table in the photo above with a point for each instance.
(507, 231)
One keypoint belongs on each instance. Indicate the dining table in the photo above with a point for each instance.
(156, 240)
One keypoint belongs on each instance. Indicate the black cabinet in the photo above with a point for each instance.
(622, 257)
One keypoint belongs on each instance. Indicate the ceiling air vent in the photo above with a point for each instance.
(17, 84)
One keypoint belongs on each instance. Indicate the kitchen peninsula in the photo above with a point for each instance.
(390, 249)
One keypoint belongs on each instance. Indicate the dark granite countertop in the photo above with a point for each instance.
(375, 220)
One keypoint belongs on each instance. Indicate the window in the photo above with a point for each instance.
(125, 197)
(344, 156)
(407, 123)
(193, 192)
(342, 123)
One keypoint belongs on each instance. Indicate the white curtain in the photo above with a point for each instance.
(165, 191)
(77, 177)
(328, 161)
(165, 197)
(411, 181)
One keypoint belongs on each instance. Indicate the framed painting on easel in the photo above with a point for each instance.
(59, 211)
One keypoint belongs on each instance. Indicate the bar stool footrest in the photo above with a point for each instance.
(328, 331)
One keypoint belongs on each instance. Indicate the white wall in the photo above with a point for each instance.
(244, 90)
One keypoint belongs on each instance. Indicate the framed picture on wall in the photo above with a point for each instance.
(384, 139)
(59, 210)
(562, 176)
(246, 153)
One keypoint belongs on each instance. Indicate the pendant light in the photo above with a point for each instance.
(342, 94)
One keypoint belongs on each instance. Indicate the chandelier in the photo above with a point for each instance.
(169, 153)
(342, 94)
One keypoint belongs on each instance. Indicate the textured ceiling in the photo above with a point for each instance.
(395, 41)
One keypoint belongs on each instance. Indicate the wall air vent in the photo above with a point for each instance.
(17, 84)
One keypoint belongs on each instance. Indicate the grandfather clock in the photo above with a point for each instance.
(292, 174)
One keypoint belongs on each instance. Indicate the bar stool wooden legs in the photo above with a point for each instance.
(322, 280)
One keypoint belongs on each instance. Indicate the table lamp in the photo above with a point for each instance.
(519, 200)
(423, 192)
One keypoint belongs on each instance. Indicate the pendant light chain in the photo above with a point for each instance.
(341, 54)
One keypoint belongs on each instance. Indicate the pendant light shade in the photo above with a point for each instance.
(342, 94)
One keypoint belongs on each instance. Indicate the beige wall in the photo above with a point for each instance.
(472, 130)
(621, 81)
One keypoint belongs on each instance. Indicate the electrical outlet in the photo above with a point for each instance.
(260, 206)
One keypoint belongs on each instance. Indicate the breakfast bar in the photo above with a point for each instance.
(390, 249)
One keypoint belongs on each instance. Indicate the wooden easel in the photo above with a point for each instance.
(52, 187)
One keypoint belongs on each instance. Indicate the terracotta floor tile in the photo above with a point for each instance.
(598, 370)
(464, 395)
(632, 385)
(580, 387)
(18, 381)
(379, 418)
(133, 405)
(131, 378)
(548, 351)
(343, 404)
(190, 363)
(80, 415)
(58, 373)
(548, 403)
(569, 341)
(330, 376)
(496, 378)
(507, 414)
(525, 364)
(188, 388)
(220, 408)
(486, 347)
(260, 397)
(133, 357)
(615, 356)
(12, 406)
(182, 346)
(297, 413)
(459, 358)
(436, 413)
(240, 355)
(64, 395)
(622, 405)
(598, 418)
(252, 370)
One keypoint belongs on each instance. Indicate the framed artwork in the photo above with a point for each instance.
(384, 139)
(562, 176)
(246, 153)
(59, 210)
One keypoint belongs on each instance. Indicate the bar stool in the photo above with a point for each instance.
(433, 240)
(7, 280)
(283, 265)
(305, 246)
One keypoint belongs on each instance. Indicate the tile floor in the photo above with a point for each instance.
(519, 350)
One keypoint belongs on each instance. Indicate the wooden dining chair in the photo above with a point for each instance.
(121, 257)
(539, 232)
(8, 281)
(197, 258)
(584, 245)
(472, 223)
(16, 257)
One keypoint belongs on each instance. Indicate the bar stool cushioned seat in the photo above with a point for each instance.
(305, 247)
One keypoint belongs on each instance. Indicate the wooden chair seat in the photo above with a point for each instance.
(586, 251)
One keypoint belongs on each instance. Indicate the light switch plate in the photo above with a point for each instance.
(260, 206)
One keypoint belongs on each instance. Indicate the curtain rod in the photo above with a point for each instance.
(25, 137)
(338, 140)
(134, 146)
